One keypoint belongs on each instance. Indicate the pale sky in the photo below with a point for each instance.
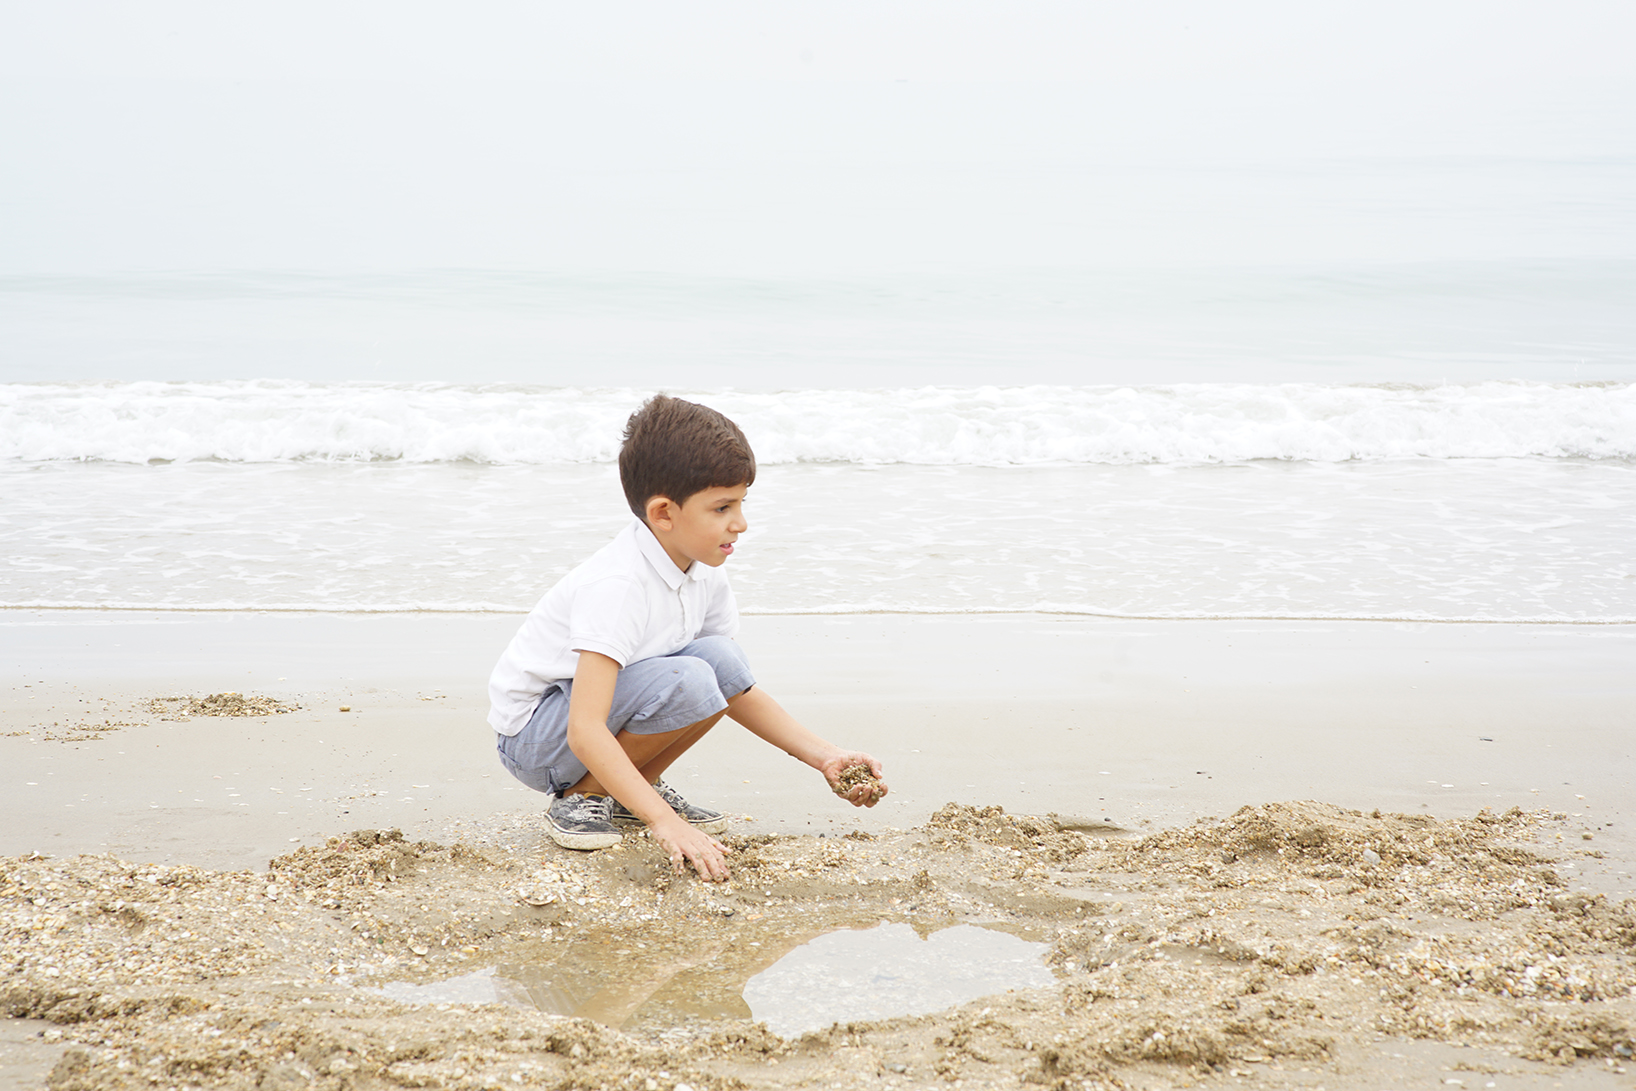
(761, 136)
(1423, 40)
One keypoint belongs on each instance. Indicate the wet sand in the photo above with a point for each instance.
(1272, 927)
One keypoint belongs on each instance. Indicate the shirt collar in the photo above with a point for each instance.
(660, 560)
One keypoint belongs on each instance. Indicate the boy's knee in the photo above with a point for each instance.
(682, 691)
(696, 673)
(726, 660)
(717, 649)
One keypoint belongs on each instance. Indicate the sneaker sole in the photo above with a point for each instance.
(715, 825)
(585, 842)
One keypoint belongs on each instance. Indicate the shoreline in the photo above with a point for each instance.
(1142, 722)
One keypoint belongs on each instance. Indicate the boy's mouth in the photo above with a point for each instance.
(727, 548)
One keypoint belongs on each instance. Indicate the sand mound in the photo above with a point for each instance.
(217, 704)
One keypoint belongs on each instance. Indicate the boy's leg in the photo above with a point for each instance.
(651, 754)
(671, 746)
(712, 669)
(661, 708)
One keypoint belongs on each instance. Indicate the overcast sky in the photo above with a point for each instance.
(1474, 40)
(773, 135)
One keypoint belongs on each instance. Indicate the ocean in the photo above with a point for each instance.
(1396, 383)
(1347, 480)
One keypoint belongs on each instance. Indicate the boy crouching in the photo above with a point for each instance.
(630, 659)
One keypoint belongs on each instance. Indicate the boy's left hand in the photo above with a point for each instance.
(866, 792)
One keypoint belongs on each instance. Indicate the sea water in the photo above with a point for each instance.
(1490, 501)
(1444, 430)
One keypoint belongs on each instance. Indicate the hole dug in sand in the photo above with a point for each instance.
(1286, 936)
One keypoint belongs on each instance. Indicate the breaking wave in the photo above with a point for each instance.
(268, 421)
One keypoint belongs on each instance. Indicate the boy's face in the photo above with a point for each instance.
(701, 528)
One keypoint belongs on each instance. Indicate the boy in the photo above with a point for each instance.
(630, 659)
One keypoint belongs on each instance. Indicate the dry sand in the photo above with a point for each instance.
(1284, 945)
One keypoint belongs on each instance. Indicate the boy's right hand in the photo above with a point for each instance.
(859, 794)
(686, 845)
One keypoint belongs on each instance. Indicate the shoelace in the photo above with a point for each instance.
(598, 805)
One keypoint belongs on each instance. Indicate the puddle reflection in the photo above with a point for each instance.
(887, 971)
(793, 986)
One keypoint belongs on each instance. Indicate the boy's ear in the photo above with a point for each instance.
(661, 512)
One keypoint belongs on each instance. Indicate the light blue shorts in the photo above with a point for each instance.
(651, 697)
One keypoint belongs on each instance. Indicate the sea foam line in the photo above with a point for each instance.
(266, 421)
(831, 610)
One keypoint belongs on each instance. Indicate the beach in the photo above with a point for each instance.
(1195, 452)
(1081, 783)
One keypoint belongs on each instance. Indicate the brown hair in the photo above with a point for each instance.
(675, 448)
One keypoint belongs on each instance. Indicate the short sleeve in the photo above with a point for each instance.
(720, 611)
(608, 616)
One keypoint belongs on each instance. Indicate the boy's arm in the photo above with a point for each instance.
(756, 710)
(589, 703)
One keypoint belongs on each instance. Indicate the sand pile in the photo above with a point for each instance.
(217, 704)
(1285, 937)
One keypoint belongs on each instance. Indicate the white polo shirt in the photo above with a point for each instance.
(629, 601)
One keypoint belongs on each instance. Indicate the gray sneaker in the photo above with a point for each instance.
(581, 822)
(701, 817)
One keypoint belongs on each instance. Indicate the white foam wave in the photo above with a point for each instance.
(11, 610)
(266, 421)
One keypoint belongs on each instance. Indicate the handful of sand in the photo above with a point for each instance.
(854, 775)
